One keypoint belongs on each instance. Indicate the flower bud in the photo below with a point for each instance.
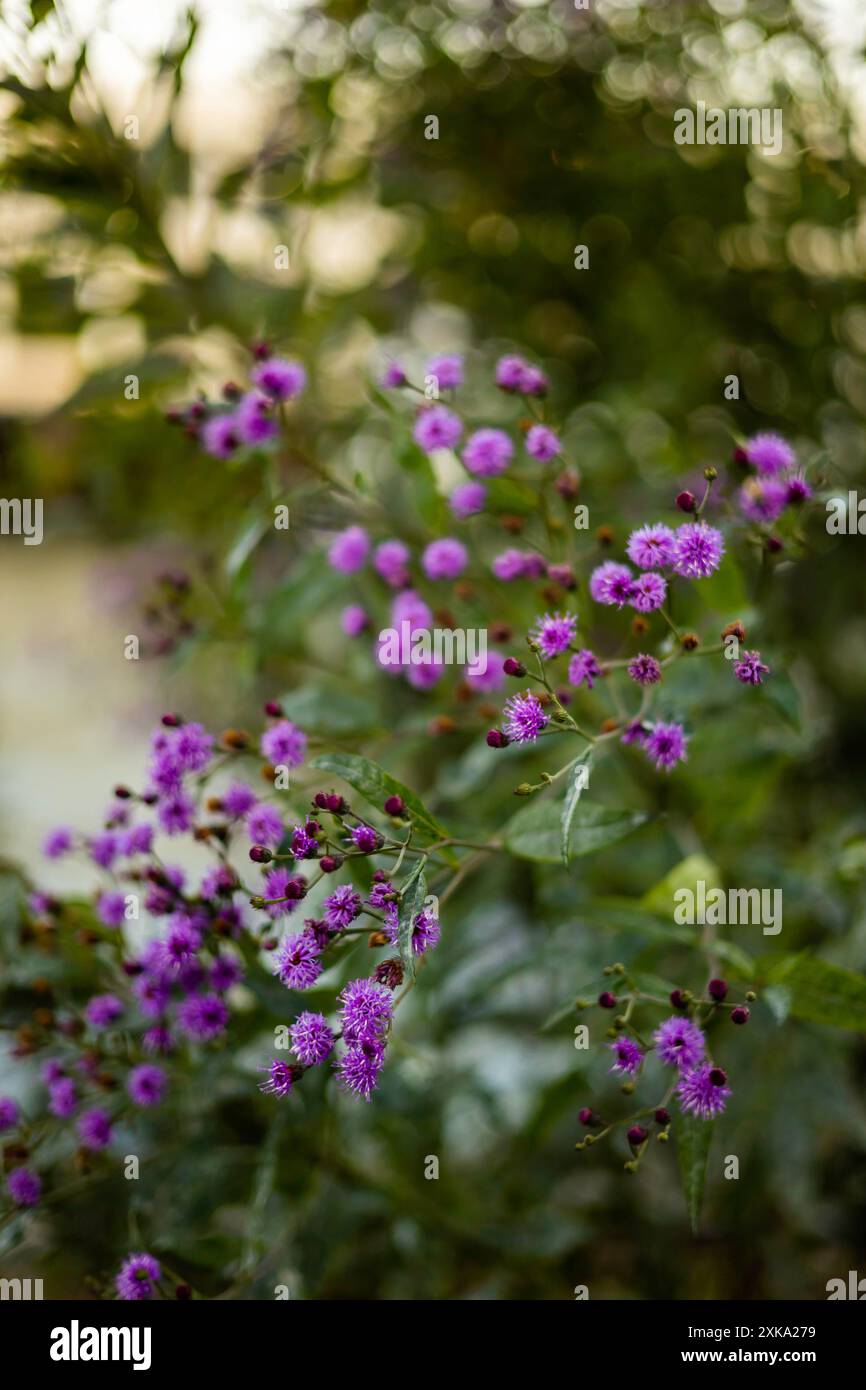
(588, 1117)
(496, 739)
(260, 854)
(662, 1116)
(717, 989)
(394, 806)
(607, 1000)
(686, 501)
(711, 473)
(734, 629)
(679, 998)
(273, 709)
(751, 996)
(329, 863)
(636, 1136)
(512, 667)
(740, 1014)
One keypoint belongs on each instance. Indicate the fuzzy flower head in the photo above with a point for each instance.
(279, 378)
(312, 1039)
(648, 592)
(763, 499)
(515, 374)
(448, 371)
(103, 1010)
(280, 1079)
(94, 1129)
(24, 1187)
(359, 1068)
(524, 718)
(341, 907)
(666, 746)
(467, 500)
(698, 550)
(10, 1113)
(436, 427)
(203, 1017)
(554, 633)
(366, 1010)
(425, 932)
(137, 1278)
(393, 376)
(542, 443)
(349, 550)
(220, 436)
(391, 561)
(517, 564)
(483, 682)
(611, 583)
(146, 1084)
(704, 1091)
(645, 670)
(253, 421)
(354, 619)
(444, 559)
(680, 1043)
(750, 669)
(583, 669)
(627, 1056)
(284, 742)
(488, 453)
(298, 964)
(651, 547)
(62, 1097)
(769, 453)
(57, 842)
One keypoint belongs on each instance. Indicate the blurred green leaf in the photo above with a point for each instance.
(578, 780)
(535, 832)
(818, 991)
(693, 1139)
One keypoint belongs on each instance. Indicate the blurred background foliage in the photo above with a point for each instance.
(154, 163)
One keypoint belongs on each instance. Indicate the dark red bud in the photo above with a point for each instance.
(661, 1116)
(718, 1077)
(740, 1014)
(496, 739)
(607, 1000)
(512, 667)
(336, 804)
(273, 709)
(171, 721)
(636, 1136)
(588, 1117)
(717, 989)
(328, 864)
(678, 999)
(686, 501)
(260, 854)
(395, 806)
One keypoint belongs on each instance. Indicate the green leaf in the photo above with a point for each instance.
(374, 783)
(251, 533)
(693, 1137)
(535, 832)
(685, 875)
(578, 780)
(413, 891)
(816, 990)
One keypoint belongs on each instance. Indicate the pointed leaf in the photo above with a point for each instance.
(693, 1137)
(578, 781)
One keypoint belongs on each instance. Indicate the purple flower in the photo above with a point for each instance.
(284, 743)
(635, 732)
(704, 1091)
(542, 443)
(611, 583)
(366, 1010)
(583, 669)
(391, 561)
(203, 1016)
(341, 907)
(769, 453)
(554, 633)
(298, 963)
(281, 1078)
(437, 428)
(264, 826)
(645, 670)
(103, 849)
(524, 718)
(467, 499)
(176, 813)
(152, 994)
(409, 607)
(648, 592)
(312, 1039)
(491, 678)
(349, 550)
(10, 1113)
(146, 1084)
(627, 1056)
(680, 1043)
(515, 374)
(219, 435)
(366, 839)
(192, 746)
(277, 885)
(448, 371)
(279, 378)
(62, 1097)
(103, 1010)
(750, 669)
(517, 564)
(666, 745)
(24, 1187)
(137, 1278)
(181, 943)
(698, 550)
(217, 882)
(393, 375)
(444, 559)
(488, 452)
(94, 1128)
(238, 800)
(359, 1068)
(304, 844)
(354, 619)
(57, 842)
(425, 932)
(225, 972)
(651, 547)
(798, 490)
(51, 1070)
(253, 421)
(111, 908)
(763, 499)
(157, 1039)
(379, 893)
(137, 840)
